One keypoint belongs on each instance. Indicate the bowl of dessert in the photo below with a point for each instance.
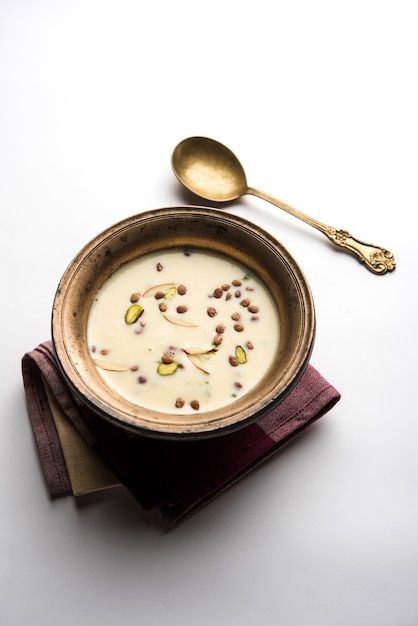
(183, 322)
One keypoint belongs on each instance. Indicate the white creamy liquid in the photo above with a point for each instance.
(207, 376)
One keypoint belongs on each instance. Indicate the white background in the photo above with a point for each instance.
(319, 102)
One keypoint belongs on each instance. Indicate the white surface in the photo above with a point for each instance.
(319, 101)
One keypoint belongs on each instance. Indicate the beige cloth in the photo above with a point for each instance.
(86, 470)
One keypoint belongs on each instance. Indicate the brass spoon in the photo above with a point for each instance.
(211, 171)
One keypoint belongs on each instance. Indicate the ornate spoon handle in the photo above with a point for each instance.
(378, 260)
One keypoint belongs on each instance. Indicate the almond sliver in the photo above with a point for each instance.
(177, 320)
(153, 290)
(110, 367)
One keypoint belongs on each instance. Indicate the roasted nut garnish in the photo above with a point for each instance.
(235, 317)
(217, 340)
(159, 267)
(166, 369)
(158, 295)
(179, 404)
(238, 327)
(237, 294)
(249, 345)
(182, 309)
(253, 309)
(181, 290)
(225, 287)
(218, 292)
(133, 313)
(135, 297)
(211, 311)
(195, 404)
(246, 302)
(236, 282)
(240, 354)
(220, 329)
(167, 358)
(233, 361)
(163, 307)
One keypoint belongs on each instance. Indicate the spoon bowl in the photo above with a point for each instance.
(209, 169)
(212, 171)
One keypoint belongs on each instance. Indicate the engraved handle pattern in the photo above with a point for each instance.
(377, 260)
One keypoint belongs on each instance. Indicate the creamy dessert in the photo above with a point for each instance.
(183, 331)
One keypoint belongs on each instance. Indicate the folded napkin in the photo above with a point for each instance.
(81, 452)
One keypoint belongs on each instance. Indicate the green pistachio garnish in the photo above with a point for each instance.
(133, 313)
(166, 369)
(240, 354)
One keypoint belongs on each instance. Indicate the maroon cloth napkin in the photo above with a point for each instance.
(175, 477)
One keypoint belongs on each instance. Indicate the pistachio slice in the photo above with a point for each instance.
(110, 367)
(170, 293)
(177, 320)
(240, 354)
(153, 290)
(133, 313)
(166, 369)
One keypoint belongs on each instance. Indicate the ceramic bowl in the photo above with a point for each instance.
(162, 229)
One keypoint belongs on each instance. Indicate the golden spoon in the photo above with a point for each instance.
(211, 171)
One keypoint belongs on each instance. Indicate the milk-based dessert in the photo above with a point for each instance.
(183, 331)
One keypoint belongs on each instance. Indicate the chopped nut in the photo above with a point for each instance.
(220, 329)
(233, 361)
(246, 302)
(163, 307)
(228, 296)
(135, 297)
(167, 357)
(217, 340)
(237, 294)
(253, 309)
(238, 385)
(225, 287)
(142, 380)
(169, 295)
(235, 317)
(179, 404)
(249, 345)
(110, 367)
(211, 311)
(166, 369)
(177, 320)
(194, 358)
(158, 295)
(156, 288)
(236, 282)
(134, 368)
(238, 327)
(104, 351)
(133, 313)
(195, 404)
(240, 354)
(218, 292)
(182, 309)
(159, 267)
(181, 290)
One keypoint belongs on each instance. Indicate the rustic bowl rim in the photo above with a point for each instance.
(69, 340)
